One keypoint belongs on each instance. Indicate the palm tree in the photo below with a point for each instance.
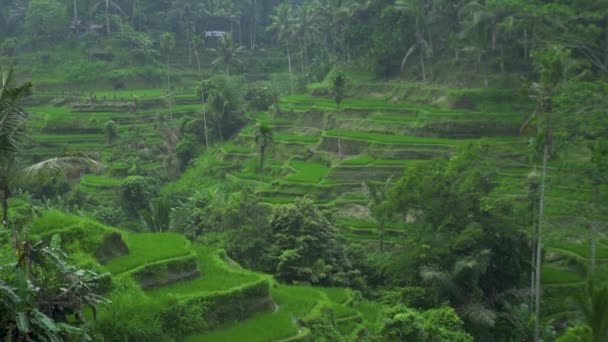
(379, 206)
(107, 5)
(262, 136)
(594, 307)
(218, 106)
(12, 133)
(417, 9)
(338, 92)
(555, 67)
(480, 32)
(227, 52)
(461, 285)
(282, 24)
(204, 116)
(167, 45)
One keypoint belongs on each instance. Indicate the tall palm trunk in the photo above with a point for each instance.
(204, 116)
(339, 135)
(541, 212)
(381, 233)
(262, 156)
(108, 16)
(169, 91)
(532, 272)
(422, 63)
(290, 71)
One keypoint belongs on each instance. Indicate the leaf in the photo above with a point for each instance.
(9, 292)
(45, 322)
(23, 323)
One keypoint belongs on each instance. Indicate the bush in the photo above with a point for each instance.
(131, 317)
(109, 215)
(259, 96)
(136, 193)
(186, 150)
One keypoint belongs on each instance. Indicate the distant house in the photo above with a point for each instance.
(96, 28)
(79, 27)
(218, 34)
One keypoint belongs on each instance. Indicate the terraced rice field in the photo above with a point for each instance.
(380, 139)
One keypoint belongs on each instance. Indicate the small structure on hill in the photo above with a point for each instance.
(216, 34)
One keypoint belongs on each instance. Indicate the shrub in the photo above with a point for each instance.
(136, 193)
(110, 215)
(259, 96)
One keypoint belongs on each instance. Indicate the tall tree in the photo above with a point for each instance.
(13, 119)
(167, 45)
(339, 91)
(107, 5)
(228, 52)
(417, 9)
(262, 136)
(282, 24)
(379, 206)
(555, 67)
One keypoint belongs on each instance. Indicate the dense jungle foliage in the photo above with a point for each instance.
(287, 170)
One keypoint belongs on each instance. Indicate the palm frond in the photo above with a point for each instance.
(440, 278)
(56, 166)
(479, 314)
(407, 55)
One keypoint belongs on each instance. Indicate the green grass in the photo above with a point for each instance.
(554, 276)
(582, 249)
(92, 180)
(359, 160)
(216, 276)
(307, 172)
(406, 139)
(293, 303)
(149, 247)
(278, 136)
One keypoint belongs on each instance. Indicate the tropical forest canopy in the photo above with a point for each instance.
(326, 170)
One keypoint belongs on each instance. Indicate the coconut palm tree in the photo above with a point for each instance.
(556, 67)
(593, 304)
(417, 9)
(461, 285)
(262, 136)
(107, 5)
(218, 107)
(339, 91)
(379, 206)
(227, 52)
(282, 24)
(12, 133)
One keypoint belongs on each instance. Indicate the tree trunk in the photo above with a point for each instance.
(381, 233)
(228, 69)
(189, 49)
(198, 61)
(606, 41)
(525, 42)
(290, 72)
(108, 16)
(262, 150)
(255, 5)
(204, 117)
(169, 91)
(539, 246)
(593, 247)
(132, 14)
(533, 260)
(422, 65)
(339, 135)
